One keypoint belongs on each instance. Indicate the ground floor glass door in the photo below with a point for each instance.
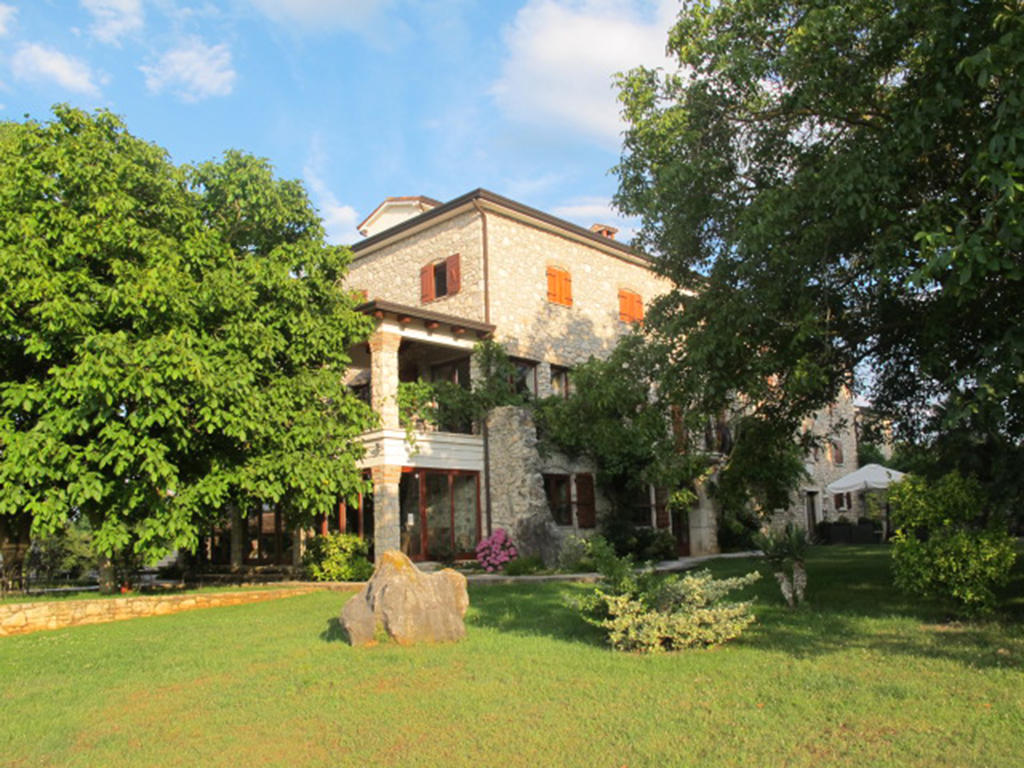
(440, 513)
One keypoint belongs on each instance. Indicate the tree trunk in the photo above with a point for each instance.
(15, 538)
(786, 585)
(108, 580)
(237, 537)
(799, 581)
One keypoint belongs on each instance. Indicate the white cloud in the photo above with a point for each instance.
(318, 14)
(112, 19)
(7, 14)
(194, 71)
(561, 55)
(339, 220)
(35, 63)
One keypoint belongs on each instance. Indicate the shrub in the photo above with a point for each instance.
(942, 546)
(496, 551)
(522, 566)
(786, 552)
(679, 612)
(644, 611)
(338, 557)
(574, 557)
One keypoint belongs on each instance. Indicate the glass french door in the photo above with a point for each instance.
(440, 513)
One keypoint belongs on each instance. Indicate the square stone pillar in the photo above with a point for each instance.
(384, 376)
(386, 508)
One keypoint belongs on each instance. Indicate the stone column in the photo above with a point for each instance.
(386, 508)
(384, 376)
(703, 523)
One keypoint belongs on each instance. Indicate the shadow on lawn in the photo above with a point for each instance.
(334, 633)
(852, 605)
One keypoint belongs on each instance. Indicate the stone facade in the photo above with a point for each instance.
(532, 327)
(505, 252)
(835, 456)
(392, 272)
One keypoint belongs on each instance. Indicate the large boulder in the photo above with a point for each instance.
(406, 604)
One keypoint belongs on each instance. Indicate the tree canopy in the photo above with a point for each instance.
(837, 188)
(172, 339)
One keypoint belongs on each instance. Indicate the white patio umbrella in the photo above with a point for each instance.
(870, 477)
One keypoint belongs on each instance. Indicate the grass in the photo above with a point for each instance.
(861, 676)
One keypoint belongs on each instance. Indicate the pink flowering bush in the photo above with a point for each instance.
(495, 551)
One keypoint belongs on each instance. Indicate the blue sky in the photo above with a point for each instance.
(361, 99)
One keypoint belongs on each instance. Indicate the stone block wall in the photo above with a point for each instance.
(22, 618)
(527, 323)
(392, 272)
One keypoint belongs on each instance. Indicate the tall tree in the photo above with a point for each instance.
(172, 340)
(837, 187)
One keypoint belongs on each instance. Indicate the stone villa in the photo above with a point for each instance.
(439, 277)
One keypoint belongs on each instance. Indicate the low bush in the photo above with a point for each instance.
(338, 557)
(523, 566)
(496, 551)
(574, 556)
(944, 546)
(647, 612)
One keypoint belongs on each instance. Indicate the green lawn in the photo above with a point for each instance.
(862, 677)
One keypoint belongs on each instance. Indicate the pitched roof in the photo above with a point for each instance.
(488, 199)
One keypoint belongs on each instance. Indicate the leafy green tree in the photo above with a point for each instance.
(834, 186)
(942, 546)
(171, 339)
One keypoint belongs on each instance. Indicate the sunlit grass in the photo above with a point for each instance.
(861, 676)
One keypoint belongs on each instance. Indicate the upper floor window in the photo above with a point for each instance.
(559, 381)
(631, 307)
(837, 452)
(440, 279)
(559, 286)
(524, 380)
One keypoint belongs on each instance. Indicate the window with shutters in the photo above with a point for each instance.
(631, 307)
(586, 510)
(559, 380)
(440, 278)
(559, 286)
(556, 488)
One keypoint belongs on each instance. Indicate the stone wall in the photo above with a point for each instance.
(833, 424)
(21, 618)
(392, 272)
(517, 488)
(528, 324)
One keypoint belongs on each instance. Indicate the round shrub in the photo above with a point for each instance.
(496, 551)
(942, 545)
(338, 557)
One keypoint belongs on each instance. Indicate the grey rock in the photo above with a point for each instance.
(408, 605)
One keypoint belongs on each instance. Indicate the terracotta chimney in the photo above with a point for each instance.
(604, 230)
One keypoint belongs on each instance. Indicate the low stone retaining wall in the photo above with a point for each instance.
(21, 618)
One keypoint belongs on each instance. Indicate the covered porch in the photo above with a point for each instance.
(429, 484)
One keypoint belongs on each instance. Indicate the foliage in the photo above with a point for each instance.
(523, 566)
(942, 548)
(66, 554)
(643, 543)
(832, 186)
(644, 611)
(574, 556)
(686, 613)
(337, 557)
(786, 553)
(495, 551)
(868, 453)
(171, 339)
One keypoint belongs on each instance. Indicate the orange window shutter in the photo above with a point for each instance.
(454, 273)
(427, 283)
(623, 306)
(567, 290)
(552, 284)
(638, 308)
